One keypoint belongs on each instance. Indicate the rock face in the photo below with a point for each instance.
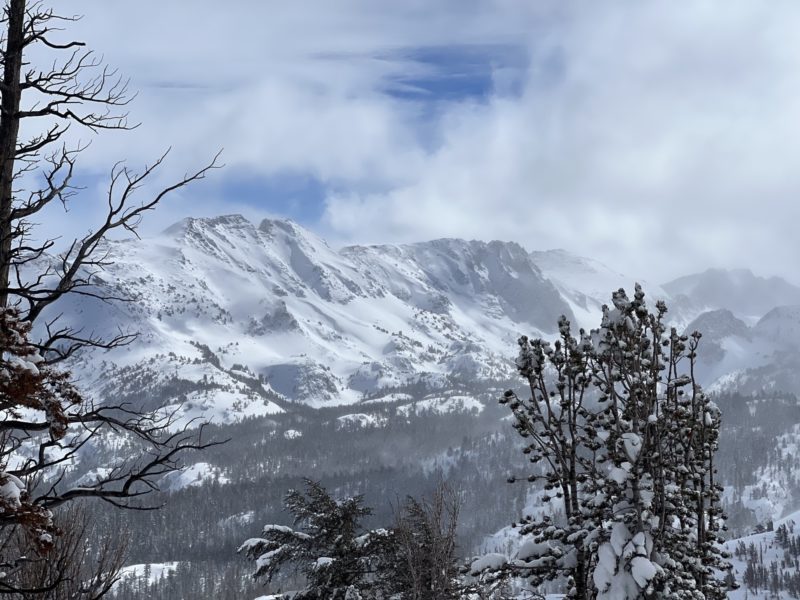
(498, 278)
(716, 325)
(726, 343)
(718, 328)
(240, 319)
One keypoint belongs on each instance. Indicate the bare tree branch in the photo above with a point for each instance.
(45, 422)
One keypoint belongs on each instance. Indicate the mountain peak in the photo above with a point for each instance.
(718, 324)
(558, 259)
(201, 229)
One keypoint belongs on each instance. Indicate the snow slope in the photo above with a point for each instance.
(587, 283)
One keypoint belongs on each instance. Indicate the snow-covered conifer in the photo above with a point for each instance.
(29, 387)
(623, 433)
(327, 544)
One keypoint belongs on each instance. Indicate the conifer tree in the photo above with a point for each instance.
(623, 438)
(328, 545)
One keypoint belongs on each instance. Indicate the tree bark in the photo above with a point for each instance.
(9, 131)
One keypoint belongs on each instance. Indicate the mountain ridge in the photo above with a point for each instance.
(323, 326)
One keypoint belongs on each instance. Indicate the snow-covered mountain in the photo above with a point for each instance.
(586, 284)
(237, 319)
(737, 357)
(727, 345)
(747, 295)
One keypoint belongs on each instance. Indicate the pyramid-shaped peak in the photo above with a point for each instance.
(718, 324)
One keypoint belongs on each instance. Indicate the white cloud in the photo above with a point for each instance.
(669, 142)
(658, 137)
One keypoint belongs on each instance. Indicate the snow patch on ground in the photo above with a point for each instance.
(359, 421)
(194, 475)
(152, 571)
(766, 546)
(442, 405)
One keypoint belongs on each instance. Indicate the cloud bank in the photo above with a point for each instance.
(660, 138)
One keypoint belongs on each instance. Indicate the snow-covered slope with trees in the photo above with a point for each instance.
(765, 564)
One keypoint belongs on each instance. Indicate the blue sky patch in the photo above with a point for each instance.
(297, 196)
(458, 73)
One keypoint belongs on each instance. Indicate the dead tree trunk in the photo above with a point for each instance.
(9, 132)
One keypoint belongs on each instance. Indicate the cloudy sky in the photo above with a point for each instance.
(660, 138)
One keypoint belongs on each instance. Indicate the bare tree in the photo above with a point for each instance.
(77, 90)
(425, 544)
(423, 564)
(78, 567)
(44, 419)
(44, 424)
